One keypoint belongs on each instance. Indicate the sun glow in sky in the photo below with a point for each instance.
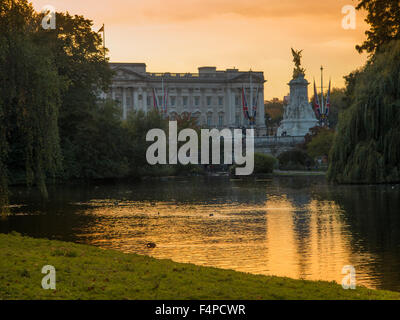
(181, 35)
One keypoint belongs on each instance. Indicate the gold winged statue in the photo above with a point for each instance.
(298, 70)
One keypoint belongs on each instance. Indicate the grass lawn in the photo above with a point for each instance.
(86, 272)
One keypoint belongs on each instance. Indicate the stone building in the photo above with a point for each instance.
(211, 96)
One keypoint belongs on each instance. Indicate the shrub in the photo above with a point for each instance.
(294, 160)
(264, 163)
(321, 144)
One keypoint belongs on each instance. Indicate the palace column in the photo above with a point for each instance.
(230, 112)
(260, 110)
(131, 106)
(135, 99)
(190, 100)
(243, 120)
(144, 100)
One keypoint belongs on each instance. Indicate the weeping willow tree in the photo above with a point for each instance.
(30, 90)
(3, 156)
(366, 148)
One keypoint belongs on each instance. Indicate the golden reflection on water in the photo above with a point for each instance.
(276, 237)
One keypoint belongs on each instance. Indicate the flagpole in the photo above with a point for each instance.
(322, 92)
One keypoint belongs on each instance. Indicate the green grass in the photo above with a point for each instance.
(86, 272)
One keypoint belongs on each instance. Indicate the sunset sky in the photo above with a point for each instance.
(181, 35)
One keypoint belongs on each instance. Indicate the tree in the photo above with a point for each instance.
(367, 144)
(49, 86)
(321, 143)
(273, 112)
(105, 145)
(384, 18)
(30, 90)
(79, 57)
(137, 125)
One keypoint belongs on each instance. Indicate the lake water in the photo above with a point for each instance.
(299, 227)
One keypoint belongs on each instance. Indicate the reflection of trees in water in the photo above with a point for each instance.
(301, 228)
(373, 217)
(297, 192)
(372, 212)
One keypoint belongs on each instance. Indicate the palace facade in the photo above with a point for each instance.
(211, 96)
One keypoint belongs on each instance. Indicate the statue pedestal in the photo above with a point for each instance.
(299, 116)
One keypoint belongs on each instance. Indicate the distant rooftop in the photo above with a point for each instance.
(208, 72)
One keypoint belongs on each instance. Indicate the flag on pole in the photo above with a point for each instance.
(245, 105)
(255, 103)
(155, 99)
(317, 108)
(165, 102)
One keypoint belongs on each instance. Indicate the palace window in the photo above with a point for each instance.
(196, 101)
(220, 101)
(149, 100)
(173, 101)
(209, 120)
(185, 101)
(208, 101)
(220, 120)
(237, 100)
(196, 117)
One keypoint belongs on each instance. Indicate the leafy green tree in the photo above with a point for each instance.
(137, 125)
(274, 112)
(384, 18)
(79, 57)
(30, 90)
(367, 144)
(105, 143)
(321, 143)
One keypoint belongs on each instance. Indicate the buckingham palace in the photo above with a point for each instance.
(213, 97)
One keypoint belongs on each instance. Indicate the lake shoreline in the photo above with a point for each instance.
(90, 273)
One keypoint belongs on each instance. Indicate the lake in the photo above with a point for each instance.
(299, 227)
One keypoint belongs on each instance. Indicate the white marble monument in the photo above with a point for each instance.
(298, 116)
